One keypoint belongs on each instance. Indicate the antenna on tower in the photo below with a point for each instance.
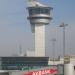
(32, 2)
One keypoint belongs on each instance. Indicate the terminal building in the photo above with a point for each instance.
(19, 63)
(28, 65)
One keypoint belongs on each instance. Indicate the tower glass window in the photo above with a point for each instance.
(39, 11)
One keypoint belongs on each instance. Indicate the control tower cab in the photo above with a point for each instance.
(39, 14)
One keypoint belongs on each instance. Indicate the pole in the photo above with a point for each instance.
(53, 50)
(64, 42)
(64, 45)
(20, 49)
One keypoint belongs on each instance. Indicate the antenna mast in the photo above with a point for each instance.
(20, 49)
(31, 2)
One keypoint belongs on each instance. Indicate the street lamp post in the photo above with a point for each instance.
(63, 26)
(64, 45)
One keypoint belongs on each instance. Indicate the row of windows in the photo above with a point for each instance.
(39, 11)
(22, 67)
(29, 60)
(24, 59)
(24, 62)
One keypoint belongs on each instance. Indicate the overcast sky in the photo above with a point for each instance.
(15, 29)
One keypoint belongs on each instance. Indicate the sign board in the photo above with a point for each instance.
(42, 72)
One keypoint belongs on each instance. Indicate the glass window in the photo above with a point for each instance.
(45, 11)
(39, 11)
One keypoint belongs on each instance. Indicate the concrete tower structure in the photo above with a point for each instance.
(39, 17)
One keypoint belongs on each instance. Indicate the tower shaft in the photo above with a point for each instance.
(39, 40)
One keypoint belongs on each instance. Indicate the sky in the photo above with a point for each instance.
(15, 29)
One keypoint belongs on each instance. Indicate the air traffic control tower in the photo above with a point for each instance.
(39, 17)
